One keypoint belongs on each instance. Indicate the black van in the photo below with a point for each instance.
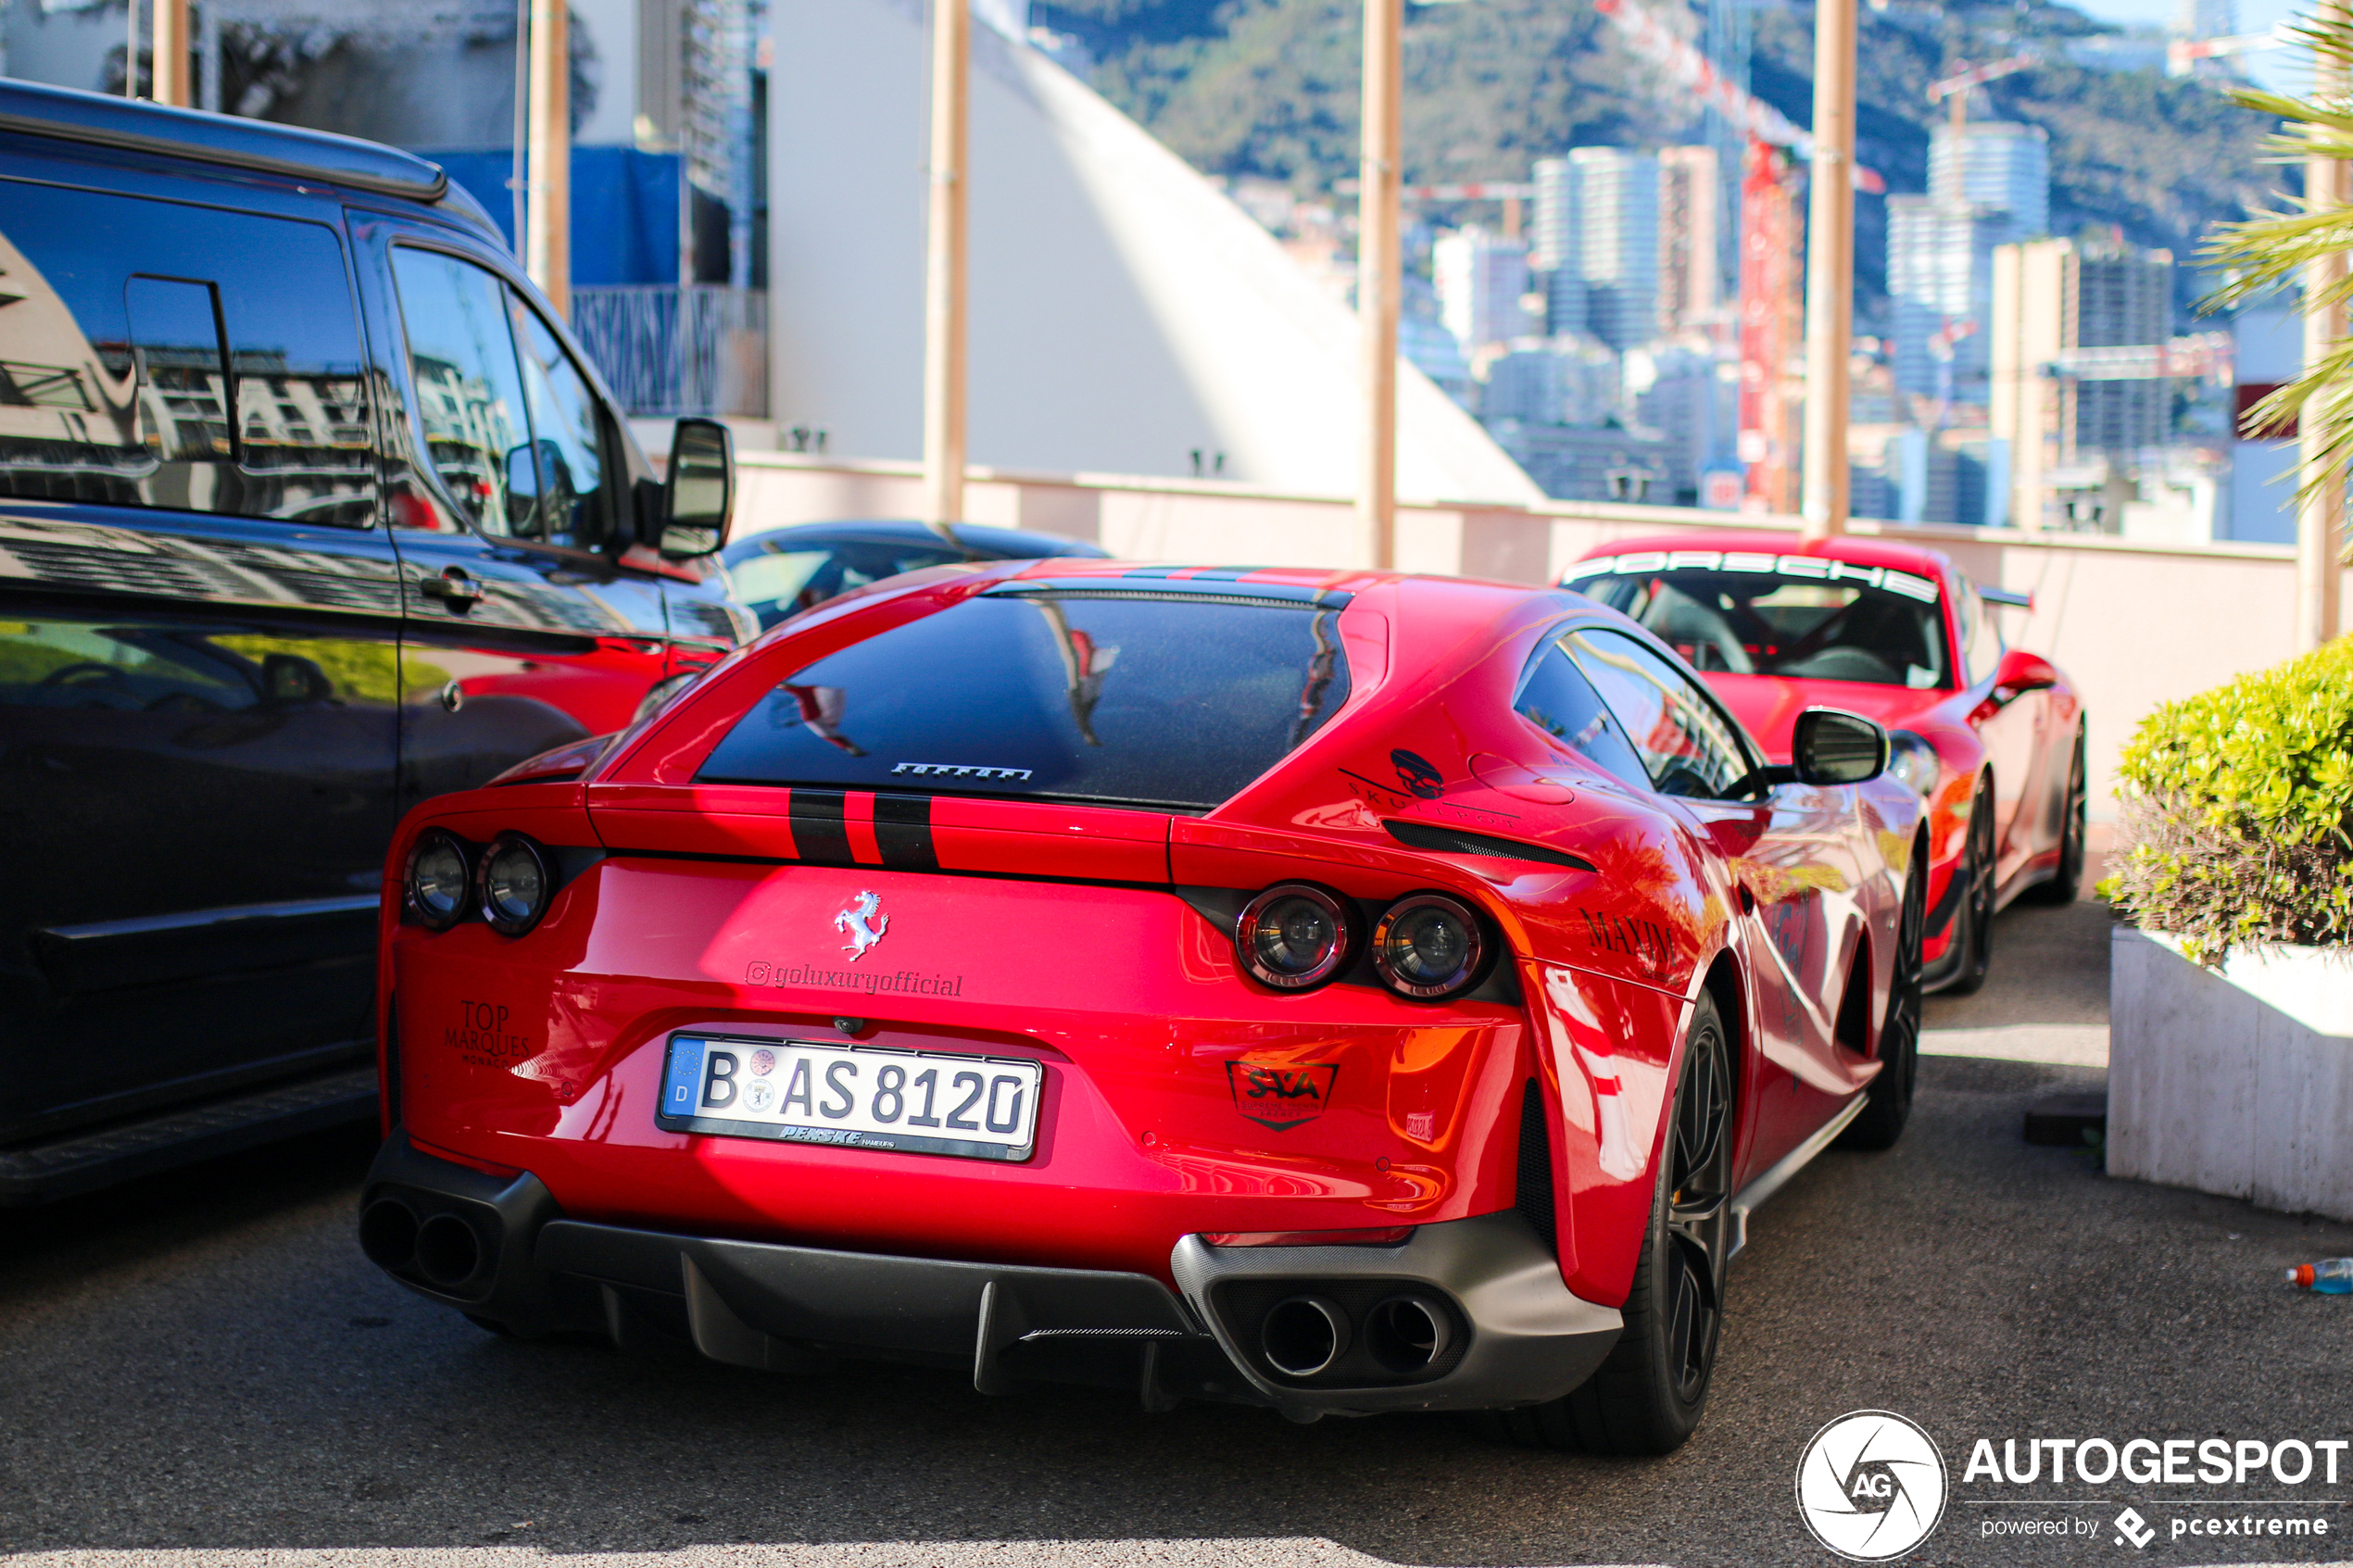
(309, 509)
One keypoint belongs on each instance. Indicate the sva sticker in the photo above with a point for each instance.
(1283, 1096)
(1871, 1486)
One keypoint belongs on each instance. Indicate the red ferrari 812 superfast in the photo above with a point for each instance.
(1337, 992)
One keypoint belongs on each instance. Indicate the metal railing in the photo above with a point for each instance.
(668, 350)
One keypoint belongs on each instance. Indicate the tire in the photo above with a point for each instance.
(2068, 883)
(1888, 1102)
(1647, 1395)
(1975, 916)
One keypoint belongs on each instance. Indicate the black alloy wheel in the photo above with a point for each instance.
(1648, 1394)
(2067, 882)
(1888, 1103)
(1974, 919)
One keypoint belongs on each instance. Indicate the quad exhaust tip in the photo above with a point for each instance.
(1302, 1335)
(443, 1251)
(1407, 1333)
(388, 1235)
(1401, 1336)
(449, 1252)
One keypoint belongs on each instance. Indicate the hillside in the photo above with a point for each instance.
(1269, 88)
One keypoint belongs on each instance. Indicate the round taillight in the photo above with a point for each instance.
(1427, 946)
(438, 878)
(1294, 935)
(516, 885)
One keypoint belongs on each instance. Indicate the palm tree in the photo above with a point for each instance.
(2276, 249)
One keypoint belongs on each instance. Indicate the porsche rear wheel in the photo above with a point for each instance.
(1647, 1395)
(1973, 921)
(1889, 1102)
(2067, 882)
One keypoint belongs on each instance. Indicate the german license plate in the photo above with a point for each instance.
(859, 1096)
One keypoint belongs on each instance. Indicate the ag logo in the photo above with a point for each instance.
(1871, 1486)
(1281, 1097)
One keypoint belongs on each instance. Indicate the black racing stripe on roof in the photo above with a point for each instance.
(820, 832)
(902, 831)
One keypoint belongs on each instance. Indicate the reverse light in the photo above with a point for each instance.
(1428, 946)
(1294, 935)
(1912, 762)
(439, 879)
(516, 885)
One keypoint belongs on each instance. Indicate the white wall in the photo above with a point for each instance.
(1124, 313)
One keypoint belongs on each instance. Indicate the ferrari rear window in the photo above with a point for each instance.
(1120, 697)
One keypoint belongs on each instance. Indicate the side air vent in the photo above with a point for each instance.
(1535, 1172)
(1455, 840)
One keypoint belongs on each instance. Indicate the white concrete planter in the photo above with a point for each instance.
(2239, 1083)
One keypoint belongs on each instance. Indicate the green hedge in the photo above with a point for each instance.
(2236, 820)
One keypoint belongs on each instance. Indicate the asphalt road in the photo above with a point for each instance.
(203, 1371)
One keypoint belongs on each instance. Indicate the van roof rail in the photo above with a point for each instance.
(136, 126)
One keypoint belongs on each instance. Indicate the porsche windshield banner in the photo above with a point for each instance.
(1810, 569)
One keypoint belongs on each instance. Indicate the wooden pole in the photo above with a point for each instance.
(547, 223)
(944, 280)
(1379, 273)
(2319, 514)
(173, 47)
(1829, 270)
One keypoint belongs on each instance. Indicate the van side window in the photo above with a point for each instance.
(159, 354)
(576, 503)
(510, 422)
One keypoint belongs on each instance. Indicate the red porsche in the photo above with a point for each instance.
(1991, 736)
(1337, 992)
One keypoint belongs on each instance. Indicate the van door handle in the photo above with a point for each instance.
(453, 588)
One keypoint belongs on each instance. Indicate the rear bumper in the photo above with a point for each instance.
(502, 1249)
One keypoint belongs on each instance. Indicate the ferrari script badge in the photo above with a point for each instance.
(864, 922)
(1281, 1097)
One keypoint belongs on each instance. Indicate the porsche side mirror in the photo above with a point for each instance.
(1832, 747)
(2021, 671)
(699, 494)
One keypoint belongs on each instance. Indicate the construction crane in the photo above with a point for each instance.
(1772, 327)
(1954, 90)
(1694, 74)
(2182, 55)
(1772, 244)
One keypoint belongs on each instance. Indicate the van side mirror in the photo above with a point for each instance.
(1831, 746)
(698, 495)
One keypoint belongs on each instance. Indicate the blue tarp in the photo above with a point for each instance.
(625, 210)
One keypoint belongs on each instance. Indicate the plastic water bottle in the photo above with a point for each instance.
(2330, 1277)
